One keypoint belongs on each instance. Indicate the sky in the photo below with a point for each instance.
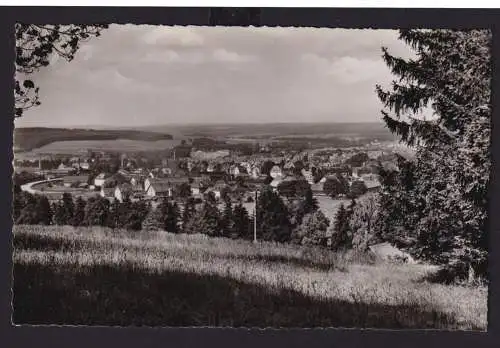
(144, 75)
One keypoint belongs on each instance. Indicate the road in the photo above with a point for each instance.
(29, 186)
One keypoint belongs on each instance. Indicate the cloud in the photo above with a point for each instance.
(351, 70)
(142, 74)
(223, 55)
(347, 69)
(173, 36)
(167, 56)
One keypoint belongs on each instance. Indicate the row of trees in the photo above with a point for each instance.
(338, 185)
(298, 220)
(333, 187)
(96, 211)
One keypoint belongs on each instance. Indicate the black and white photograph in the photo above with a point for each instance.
(251, 177)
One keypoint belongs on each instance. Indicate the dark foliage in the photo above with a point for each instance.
(153, 220)
(273, 217)
(357, 160)
(357, 189)
(32, 209)
(336, 185)
(341, 234)
(294, 188)
(266, 167)
(241, 223)
(227, 222)
(438, 203)
(96, 211)
(79, 214)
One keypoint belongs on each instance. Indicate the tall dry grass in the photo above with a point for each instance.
(295, 286)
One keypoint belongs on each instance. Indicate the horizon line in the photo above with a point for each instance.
(201, 124)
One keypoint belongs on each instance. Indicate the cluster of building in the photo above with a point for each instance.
(205, 171)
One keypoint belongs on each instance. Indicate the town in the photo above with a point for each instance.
(190, 170)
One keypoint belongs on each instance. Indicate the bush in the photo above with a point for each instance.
(313, 230)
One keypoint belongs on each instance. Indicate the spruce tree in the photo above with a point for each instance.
(43, 211)
(68, 206)
(241, 223)
(306, 206)
(153, 220)
(30, 212)
(205, 221)
(126, 214)
(313, 229)
(310, 202)
(114, 220)
(136, 214)
(341, 237)
(187, 214)
(163, 211)
(79, 215)
(59, 215)
(210, 217)
(447, 196)
(227, 223)
(96, 211)
(17, 204)
(172, 218)
(273, 223)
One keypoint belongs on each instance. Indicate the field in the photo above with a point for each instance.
(330, 206)
(99, 276)
(75, 147)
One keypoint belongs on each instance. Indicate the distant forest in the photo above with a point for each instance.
(267, 130)
(26, 139)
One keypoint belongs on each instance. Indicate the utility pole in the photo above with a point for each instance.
(255, 218)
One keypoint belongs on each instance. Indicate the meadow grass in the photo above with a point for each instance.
(98, 276)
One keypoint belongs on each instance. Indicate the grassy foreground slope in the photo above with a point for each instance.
(98, 276)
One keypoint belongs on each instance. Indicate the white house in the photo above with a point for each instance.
(100, 179)
(276, 172)
(158, 188)
(255, 172)
(234, 170)
(308, 176)
(121, 191)
(162, 187)
(237, 170)
(147, 183)
(134, 181)
(211, 167)
(248, 167)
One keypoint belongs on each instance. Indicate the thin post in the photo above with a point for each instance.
(255, 219)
